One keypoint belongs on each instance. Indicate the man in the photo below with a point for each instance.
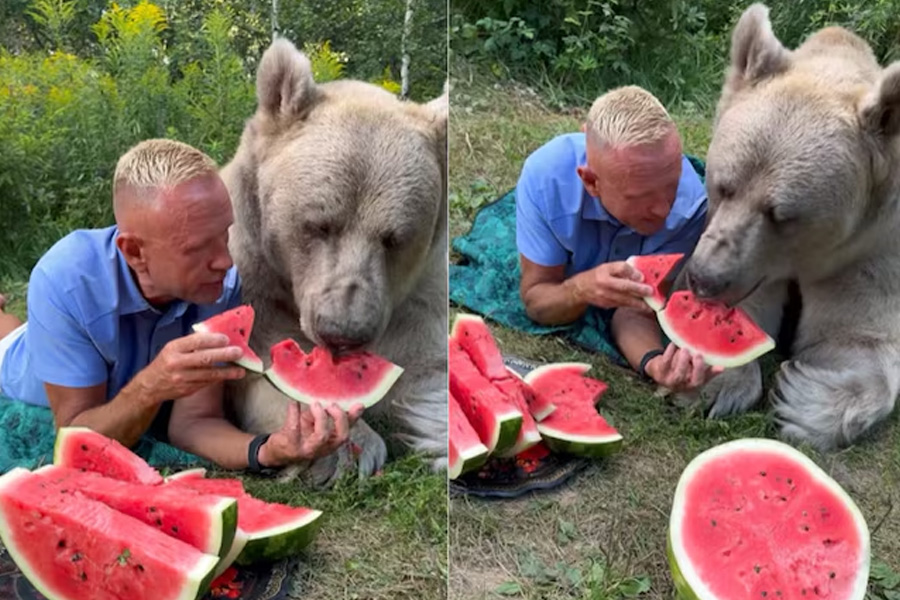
(108, 342)
(586, 202)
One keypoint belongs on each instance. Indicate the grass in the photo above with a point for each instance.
(602, 536)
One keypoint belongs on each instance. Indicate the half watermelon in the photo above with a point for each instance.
(724, 336)
(655, 268)
(756, 518)
(237, 324)
(72, 548)
(466, 452)
(362, 377)
(83, 448)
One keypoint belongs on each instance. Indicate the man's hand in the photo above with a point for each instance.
(188, 364)
(611, 285)
(679, 371)
(308, 433)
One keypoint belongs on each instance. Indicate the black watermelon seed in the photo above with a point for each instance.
(84, 447)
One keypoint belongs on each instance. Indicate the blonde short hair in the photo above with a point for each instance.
(160, 164)
(628, 116)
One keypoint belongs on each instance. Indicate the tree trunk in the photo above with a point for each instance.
(274, 19)
(404, 66)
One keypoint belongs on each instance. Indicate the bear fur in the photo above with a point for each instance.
(804, 185)
(340, 236)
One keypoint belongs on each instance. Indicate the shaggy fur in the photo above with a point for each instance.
(803, 184)
(340, 236)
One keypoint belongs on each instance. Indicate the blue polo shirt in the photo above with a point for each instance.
(88, 322)
(558, 222)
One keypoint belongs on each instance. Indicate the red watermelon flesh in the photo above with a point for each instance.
(70, 547)
(496, 421)
(472, 333)
(237, 324)
(528, 432)
(362, 377)
(758, 519)
(466, 452)
(83, 448)
(538, 404)
(654, 268)
(725, 336)
(564, 383)
(205, 522)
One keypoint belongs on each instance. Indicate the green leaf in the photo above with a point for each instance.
(123, 558)
(634, 586)
(509, 588)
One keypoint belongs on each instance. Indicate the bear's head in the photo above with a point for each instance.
(799, 160)
(343, 189)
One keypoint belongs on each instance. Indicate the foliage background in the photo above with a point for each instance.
(83, 80)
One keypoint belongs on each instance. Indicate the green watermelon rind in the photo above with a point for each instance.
(683, 573)
(280, 542)
(506, 431)
(529, 439)
(588, 446)
(199, 472)
(473, 458)
(234, 550)
(202, 575)
(716, 360)
(368, 399)
(250, 363)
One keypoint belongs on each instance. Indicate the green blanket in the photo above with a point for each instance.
(29, 434)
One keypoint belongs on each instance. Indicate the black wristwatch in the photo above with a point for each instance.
(253, 453)
(642, 370)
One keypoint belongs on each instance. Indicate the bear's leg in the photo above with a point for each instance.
(830, 396)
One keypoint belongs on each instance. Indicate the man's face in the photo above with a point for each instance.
(636, 184)
(185, 244)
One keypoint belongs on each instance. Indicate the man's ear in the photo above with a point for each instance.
(132, 248)
(588, 177)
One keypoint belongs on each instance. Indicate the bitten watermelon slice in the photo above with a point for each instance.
(237, 324)
(496, 421)
(575, 427)
(472, 333)
(654, 268)
(466, 452)
(362, 377)
(756, 518)
(73, 548)
(724, 336)
(83, 448)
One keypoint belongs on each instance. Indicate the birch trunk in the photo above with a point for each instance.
(404, 65)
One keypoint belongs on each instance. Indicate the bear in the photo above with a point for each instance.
(804, 190)
(339, 192)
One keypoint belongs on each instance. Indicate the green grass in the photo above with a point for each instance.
(602, 537)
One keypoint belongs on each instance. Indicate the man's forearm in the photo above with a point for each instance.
(125, 418)
(554, 303)
(635, 333)
(215, 439)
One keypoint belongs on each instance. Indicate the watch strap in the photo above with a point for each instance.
(253, 452)
(642, 370)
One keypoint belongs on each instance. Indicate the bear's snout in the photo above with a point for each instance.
(705, 284)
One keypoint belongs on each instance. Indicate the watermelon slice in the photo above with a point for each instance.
(756, 518)
(205, 522)
(538, 404)
(654, 268)
(724, 336)
(237, 324)
(496, 421)
(272, 531)
(362, 377)
(83, 448)
(575, 427)
(466, 452)
(529, 435)
(71, 547)
(472, 333)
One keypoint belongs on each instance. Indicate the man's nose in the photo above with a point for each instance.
(222, 262)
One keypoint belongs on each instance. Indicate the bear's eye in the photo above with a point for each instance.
(725, 191)
(390, 241)
(322, 230)
(777, 215)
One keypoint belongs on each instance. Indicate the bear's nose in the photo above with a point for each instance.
(341, 338)
(705, 285)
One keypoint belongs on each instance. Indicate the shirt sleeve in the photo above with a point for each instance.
(534, 238)
(60, 346)
(688, 235)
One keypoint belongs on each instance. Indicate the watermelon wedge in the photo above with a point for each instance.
(654, 268)
(237, 324)
(362, 377)
(71, 548)
(539, 406)
(207, 523)
(756, 518)
(724, 336)
(466, 452)
(269, 531)
(83, 448)
(496, 421)
(513, 391)
(472, 333)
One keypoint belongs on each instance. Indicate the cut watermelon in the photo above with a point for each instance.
(472, 333)
(756, 518)
(466, 452)
(205, 522)
(72, 548)
(496, 421)
(362, 378)
(269, 531)
(538, 404)
(198, 473)
(724, 336)
(237, 324)
(529, 435)
(654, 268)
(83, 448)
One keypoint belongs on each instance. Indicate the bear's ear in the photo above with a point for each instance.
(755, 51)
(879, 110)
(439, 109)
(284, 80)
